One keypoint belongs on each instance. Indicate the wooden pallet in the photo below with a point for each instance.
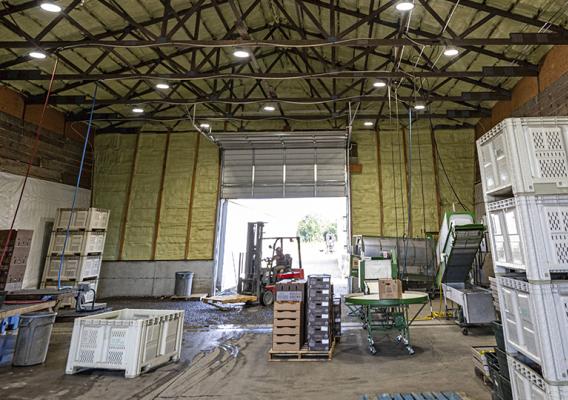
(302, 355)
(191, 297)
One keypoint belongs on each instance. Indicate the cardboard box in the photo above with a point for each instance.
(390, 289)
(291, 290)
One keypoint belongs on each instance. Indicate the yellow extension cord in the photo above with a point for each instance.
(436, 314)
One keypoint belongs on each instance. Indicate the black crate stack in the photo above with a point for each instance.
(337, 317)
(320, 312)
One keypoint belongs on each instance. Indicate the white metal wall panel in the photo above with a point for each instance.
(284, 172)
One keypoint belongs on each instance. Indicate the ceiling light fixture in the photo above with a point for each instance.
(50, 7)
(240, 53)
(379, 84)
(269, 108)
(162, 86)
(451, 52)
(137, 110)
(204, 125)
(37, 54)
(368, 123)
(419, 106)
(405, 5)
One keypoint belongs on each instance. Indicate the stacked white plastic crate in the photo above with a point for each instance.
(524, 172)
(83, 253)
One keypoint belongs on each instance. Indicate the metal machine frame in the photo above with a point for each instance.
(458, 246)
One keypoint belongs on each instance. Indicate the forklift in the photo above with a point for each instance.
(258, 276)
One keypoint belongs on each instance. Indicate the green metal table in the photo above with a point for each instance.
(384, 315)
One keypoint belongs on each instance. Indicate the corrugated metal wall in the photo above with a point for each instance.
(162, 192)
(379, 191)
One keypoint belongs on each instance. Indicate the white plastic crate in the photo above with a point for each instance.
(535, 322)
(82, 218)
(74, 268)
(527, 384)
(78, 243)
(530, 233)
(525, 155)
(130, 340)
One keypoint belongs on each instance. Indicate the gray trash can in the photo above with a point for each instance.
(33, 338)
(184, 280)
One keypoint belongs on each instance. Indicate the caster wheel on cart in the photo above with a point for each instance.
(465, 331)
(398, 338)
(372, 349)
(365, 326)
(410, 350)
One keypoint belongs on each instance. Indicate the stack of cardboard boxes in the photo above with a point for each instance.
(320, 296)
(305, 311)
(288, 330)
(13, 266)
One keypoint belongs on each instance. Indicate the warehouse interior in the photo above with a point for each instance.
(311, 199)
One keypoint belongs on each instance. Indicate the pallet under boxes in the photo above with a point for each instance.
(302, 355)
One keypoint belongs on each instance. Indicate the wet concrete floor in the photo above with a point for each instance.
(224, 356)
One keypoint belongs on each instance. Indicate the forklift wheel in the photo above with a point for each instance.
(267, 298)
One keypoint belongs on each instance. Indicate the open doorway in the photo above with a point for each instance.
(321, 224)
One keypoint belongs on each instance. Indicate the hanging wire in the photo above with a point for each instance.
(435, 144)
(30, 160)
(77, 186)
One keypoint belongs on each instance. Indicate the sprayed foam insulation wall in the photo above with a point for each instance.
(393, 172)
(114, 156)
(457, 153)
(456, 150)
(144, 194)
(204, 213)
(174, 214)
(159, 222)
(365, 209)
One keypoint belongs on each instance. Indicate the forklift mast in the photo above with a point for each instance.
(250, 277)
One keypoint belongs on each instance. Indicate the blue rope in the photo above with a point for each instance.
(67, 232)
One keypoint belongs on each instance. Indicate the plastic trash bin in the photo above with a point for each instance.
(184, 280)
(33, 338)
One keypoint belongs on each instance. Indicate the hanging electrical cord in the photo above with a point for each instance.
(77, 185)
(33, 155)
(435, 144)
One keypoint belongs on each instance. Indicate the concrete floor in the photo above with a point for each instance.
(229, 361)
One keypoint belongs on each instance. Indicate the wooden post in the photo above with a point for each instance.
(127, 202)
(160, 197)
(380, 181)
(407, 181)
(218, 199)
(191, 193)
(436, 176)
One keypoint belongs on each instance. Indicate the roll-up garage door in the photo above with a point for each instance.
(305, 165)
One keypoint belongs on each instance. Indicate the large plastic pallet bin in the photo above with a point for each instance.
(78, 243)
(525, 156)
(530, 234)
(527, 384)
(131, 340)
(74, 268)
(535, 322)
(87, 219)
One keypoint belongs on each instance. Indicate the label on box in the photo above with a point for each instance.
(324, 316)
(325, 291)
(289, 296)
(325, 341)
(324, 328)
